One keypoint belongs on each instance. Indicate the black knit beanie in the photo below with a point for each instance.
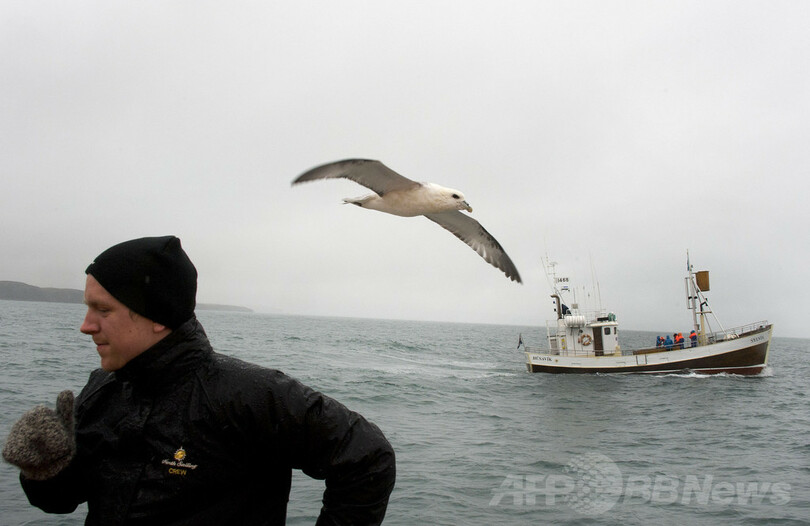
(153, 276)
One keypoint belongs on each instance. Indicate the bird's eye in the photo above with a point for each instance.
(455, 196)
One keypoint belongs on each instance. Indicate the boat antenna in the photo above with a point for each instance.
(550, 270)
(596, 281)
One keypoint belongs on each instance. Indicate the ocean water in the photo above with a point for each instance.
(479, 440)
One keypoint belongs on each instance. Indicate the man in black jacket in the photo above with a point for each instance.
(170, 432)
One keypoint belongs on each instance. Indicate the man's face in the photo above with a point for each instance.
(119, 334)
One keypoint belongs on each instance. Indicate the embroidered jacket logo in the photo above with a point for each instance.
(178, 466)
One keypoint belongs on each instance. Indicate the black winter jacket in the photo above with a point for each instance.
(182, 435)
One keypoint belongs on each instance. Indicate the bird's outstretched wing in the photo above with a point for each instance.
(476, 236)
(374, 175)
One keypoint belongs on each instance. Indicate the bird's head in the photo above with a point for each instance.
(453, 199)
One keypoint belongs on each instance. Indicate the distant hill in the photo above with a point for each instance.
(17, 291)
(14, 290)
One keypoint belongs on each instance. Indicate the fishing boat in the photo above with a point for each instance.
(581, 341)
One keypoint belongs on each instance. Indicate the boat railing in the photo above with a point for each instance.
(737, 332)
(569, 352)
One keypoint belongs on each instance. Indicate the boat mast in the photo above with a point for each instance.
(692, 296)
(696, 284)
(549, 268)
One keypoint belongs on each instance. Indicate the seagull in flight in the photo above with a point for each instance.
(398, 195)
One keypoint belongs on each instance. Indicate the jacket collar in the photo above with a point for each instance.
(173, 356)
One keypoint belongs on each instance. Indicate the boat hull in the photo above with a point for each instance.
(745, 355)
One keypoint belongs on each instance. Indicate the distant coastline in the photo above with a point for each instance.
(18, 291)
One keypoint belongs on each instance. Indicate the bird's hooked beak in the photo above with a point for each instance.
(467, 206)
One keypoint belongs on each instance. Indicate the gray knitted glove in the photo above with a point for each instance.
(42, 443)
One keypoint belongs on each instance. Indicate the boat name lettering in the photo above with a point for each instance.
(537, 358)
(758, 339)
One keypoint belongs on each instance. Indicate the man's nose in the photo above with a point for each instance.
(89, 325)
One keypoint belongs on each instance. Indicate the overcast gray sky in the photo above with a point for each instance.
(610, 135)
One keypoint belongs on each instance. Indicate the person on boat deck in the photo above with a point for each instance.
(678, 337)
(668, 343)
(693, 338)
(659, 341)
(170, 432)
